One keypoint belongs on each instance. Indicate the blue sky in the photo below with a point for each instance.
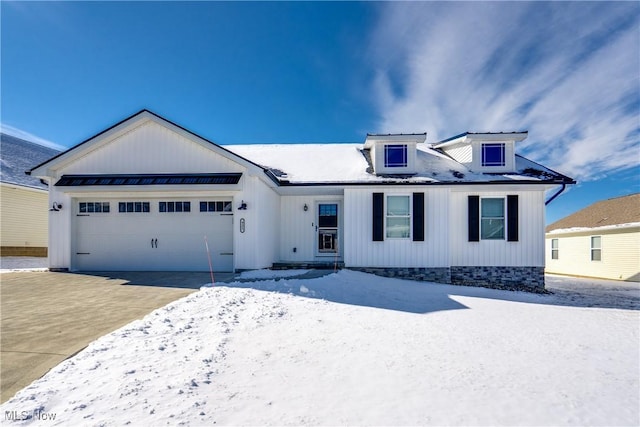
(264, 72)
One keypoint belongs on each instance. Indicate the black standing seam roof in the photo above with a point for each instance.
(149, 179)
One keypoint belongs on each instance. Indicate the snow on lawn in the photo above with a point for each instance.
(351, 348)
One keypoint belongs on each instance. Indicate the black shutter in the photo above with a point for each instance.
(512, 218)
(378, 217)
(418, 217)
(474, 218)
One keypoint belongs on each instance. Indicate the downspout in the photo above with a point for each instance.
(556, 195)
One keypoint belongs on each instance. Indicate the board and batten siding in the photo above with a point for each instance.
(620, 254)
(151, 148)
(24, 212)
(362, 251)
(257, 246)
(528, 251)
(298, 227)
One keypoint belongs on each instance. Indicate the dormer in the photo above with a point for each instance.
(393, 154)
(491, 152)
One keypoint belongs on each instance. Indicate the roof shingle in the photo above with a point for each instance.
(616, 211)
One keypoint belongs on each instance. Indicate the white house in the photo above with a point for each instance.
(24, 200)
(601, 240)
(145, 193)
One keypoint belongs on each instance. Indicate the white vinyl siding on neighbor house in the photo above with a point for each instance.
(555, 249)
(529, 250)
(24, 213)
(619, 253)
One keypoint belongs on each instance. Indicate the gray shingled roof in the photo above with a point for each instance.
(619, 210)
(17, 156)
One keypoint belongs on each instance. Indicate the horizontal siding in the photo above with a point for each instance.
(151, 148)
(361, 251)
(24, 215)
(620, 255)
(528, 251)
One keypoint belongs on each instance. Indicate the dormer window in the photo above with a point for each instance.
(493, 154)
(395, 156)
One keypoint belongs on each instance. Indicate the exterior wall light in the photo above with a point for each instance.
(243, 206)
(56, 207)
(306, 208)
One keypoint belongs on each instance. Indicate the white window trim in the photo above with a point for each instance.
(386, 216)
(504, 155)
(504, 218)
(556, 249)
(592, 248)
(396, 166)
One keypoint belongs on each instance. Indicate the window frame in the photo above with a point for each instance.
(503, 218)
(216, 206)
(173, 206)
(408, 216)
(502, 155)
(145, 207)
(593, 249)
(555, 249)
(404, 155)
(90, 207)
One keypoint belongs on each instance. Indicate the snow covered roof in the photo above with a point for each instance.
(618, 212)
(349, 163)
(482, 136)
(18, 156)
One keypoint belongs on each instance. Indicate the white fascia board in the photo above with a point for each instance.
(592, 230)
(470, 137)
(410, 137)
(23, 187)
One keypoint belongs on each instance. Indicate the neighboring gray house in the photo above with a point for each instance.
(144, 194)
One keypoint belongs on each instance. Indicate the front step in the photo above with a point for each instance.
(307, 265)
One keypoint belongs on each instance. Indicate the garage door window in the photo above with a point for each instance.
(215, 207)
(125, 207)
(174, 207)
(92, 207)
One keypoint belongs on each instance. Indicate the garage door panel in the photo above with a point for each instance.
(153, 241)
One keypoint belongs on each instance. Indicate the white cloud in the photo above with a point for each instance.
(567, 72)
(19, 133)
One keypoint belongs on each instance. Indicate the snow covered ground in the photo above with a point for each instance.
(351, 348)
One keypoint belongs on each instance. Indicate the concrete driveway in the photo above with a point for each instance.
(47, 317)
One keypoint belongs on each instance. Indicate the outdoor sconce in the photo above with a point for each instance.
(56, 207)
(243, 206)
(306, 208)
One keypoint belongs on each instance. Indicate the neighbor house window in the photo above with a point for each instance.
(395, 156)
(215, 206)
(398, 217)
(554, 248)
(493, 155)
(133, 207)
(596, 248)
(174, 206)
(492, 219)
(94, 207)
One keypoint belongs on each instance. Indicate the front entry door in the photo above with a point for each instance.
(328, 242)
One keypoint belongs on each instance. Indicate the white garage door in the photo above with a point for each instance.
(153, 234)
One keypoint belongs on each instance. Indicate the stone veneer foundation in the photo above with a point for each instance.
(530, 279)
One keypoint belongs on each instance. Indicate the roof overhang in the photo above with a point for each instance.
(467, 137)
(149, 179)
(394, 137)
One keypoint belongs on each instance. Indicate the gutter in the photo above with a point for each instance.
(556, 195)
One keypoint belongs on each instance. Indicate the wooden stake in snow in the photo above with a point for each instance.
(209, 256)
